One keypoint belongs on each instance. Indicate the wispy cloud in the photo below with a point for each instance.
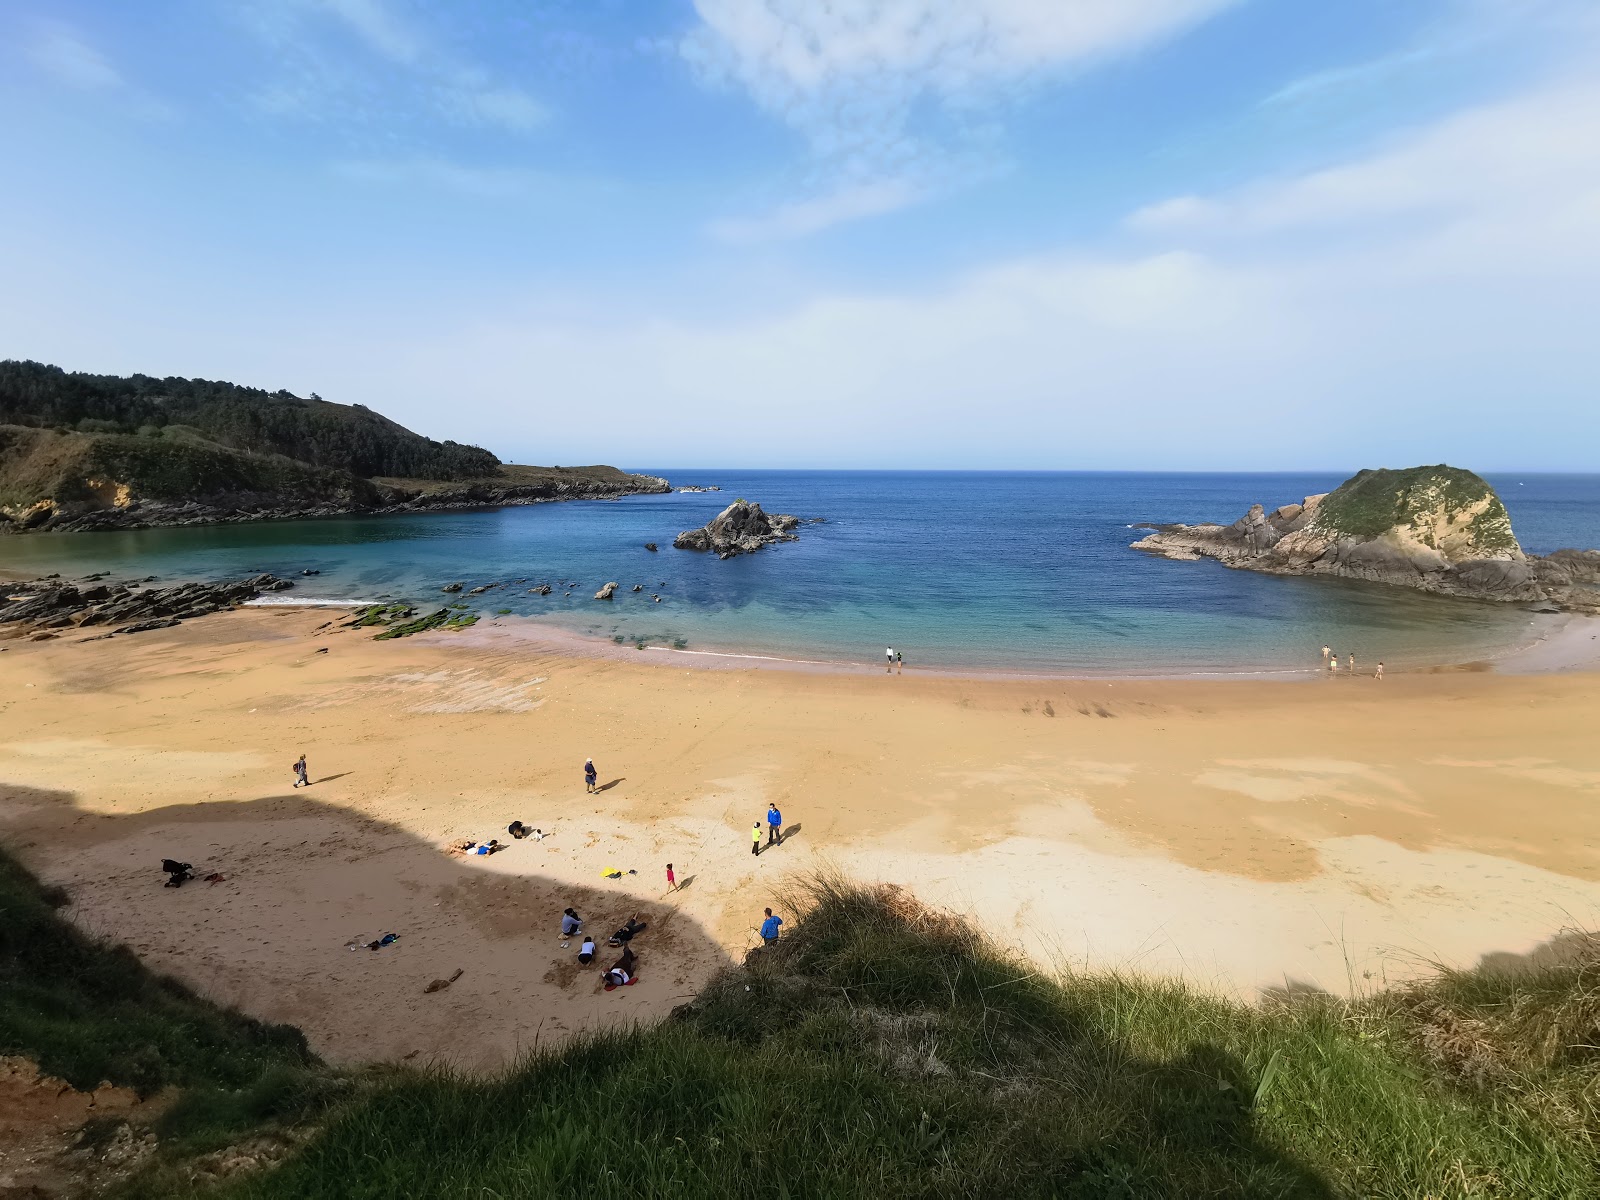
(804, 217)
(60, 52)
(316, 76)
(852, 76)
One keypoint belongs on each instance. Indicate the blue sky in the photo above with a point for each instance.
(1192, 234)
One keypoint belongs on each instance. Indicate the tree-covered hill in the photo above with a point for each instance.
(91, 452)
(308, 429)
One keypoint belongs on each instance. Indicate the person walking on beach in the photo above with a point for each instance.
(899, 663)
(888, 660)
(1378, 674)
(755, 838)
(774, 825)
(769, 929)
(302, 775)
(590, 775)
(1350, 665)
(672, 880)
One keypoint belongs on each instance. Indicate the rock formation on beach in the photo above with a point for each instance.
(47, 605)
(1437, 529)
(741, 528)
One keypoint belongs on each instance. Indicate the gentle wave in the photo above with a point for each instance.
(308, 602)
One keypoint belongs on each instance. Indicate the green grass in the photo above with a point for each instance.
(884, 1050)
(89, 1012)
(1372, 502)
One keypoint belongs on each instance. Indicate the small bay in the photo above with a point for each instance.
(1009, 571)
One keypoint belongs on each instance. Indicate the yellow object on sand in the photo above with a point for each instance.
(611, 873)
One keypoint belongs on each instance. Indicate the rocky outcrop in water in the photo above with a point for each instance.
(1436, 529)
(49, 605)
(606, 592)
(741, 528)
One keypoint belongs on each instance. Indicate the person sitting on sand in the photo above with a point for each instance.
(620, 973)
(302, 775)
(586, 951)
(625, 935)
(518, 830)
(571, 922)
(178, 873)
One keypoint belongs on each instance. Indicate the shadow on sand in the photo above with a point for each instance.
(305, 879)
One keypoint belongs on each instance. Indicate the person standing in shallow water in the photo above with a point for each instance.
(755, 838)
(888, 660)
(302, 775)
(1326, 650)
(899, 663)
(590, 776)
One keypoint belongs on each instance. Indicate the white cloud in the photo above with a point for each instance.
(849, 75)
(62, 54)
(1496, 162)
(1432, 300)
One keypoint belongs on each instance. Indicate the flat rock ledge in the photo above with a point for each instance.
(741, 528)
(48, 607)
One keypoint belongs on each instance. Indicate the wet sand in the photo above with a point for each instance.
(1245, 833)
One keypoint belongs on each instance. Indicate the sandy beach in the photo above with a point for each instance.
(1248, 834)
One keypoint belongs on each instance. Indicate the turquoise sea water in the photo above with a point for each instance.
(1008, 571)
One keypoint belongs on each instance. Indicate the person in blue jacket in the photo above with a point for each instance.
(769, 929)
(774, 825)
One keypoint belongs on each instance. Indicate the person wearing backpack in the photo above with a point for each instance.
(302, 776)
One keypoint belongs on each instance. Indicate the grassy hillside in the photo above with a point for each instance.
(883, 1050)
(339, 437)
(1372, 502)
(172, 464)
(89, 1013)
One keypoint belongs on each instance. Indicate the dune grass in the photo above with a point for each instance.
(884, 1049)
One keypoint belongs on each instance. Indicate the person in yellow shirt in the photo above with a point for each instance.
(755, 838)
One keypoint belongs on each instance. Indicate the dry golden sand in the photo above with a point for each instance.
(1244, 833)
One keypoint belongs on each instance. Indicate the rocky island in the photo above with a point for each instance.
(1437, 529)
(82, 452)
(741, 528)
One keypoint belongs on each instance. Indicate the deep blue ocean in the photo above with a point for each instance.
(1009, 571)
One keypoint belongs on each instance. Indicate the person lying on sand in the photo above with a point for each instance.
(625, 935)
(620, 973)
(586, 951)
(492, 846)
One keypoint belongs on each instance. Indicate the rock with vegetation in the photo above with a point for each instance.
(741, 528)
(82, 452)
(401, 620)
(1437, 529)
